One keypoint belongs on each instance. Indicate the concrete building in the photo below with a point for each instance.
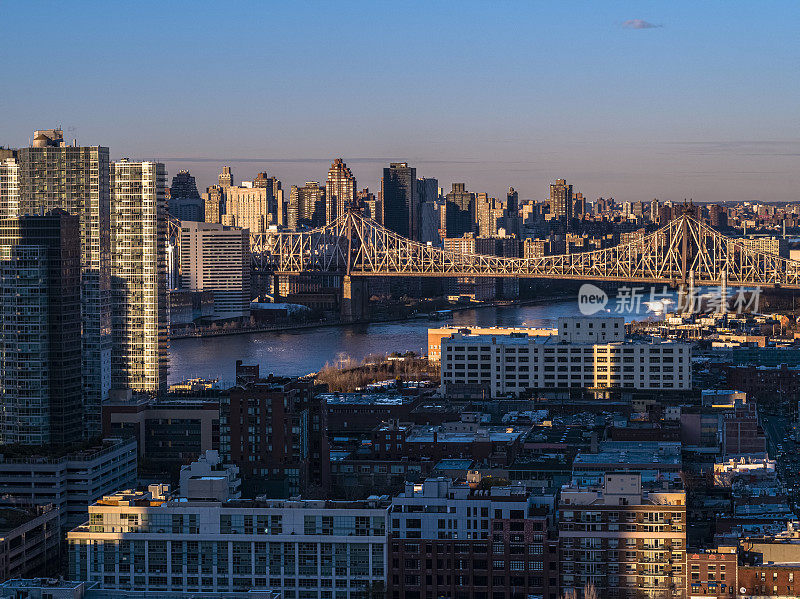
(40, 340)
(140, 314)
(169, 429)
(76, 179)
(153, 541)
(399, 200)
(340, 190)
(225, 178)
(510, 364)
(451, 539)
(767, 245)
(70, 481)
(30, 539)
(217, 258)
(623, 539)
(213, 204)
(436, 335)
(251, 208)
(209, 478)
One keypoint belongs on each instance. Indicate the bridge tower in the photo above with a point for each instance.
(354, 300)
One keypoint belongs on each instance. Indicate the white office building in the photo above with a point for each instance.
(510, 364)
(216, 258)
(152, 541)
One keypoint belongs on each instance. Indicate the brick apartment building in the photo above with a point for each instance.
(448, 539)
(274, 429)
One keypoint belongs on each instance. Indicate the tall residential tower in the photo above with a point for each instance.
(76, 179)
(140, 316)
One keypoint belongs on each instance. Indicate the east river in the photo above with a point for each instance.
(295, 353)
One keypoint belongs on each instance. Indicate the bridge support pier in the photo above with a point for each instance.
(354, 299)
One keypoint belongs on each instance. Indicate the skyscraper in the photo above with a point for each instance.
(427, 189)
(399, 199)
(513, 224)
(225, 178)
(213, 204)
(184, 200)
(561, 201)
(248, 207)
(40, 340)
(306, 205)
(76, 179)
(184, 186)
(340, 190)
(460, 211)
(140, 317)
(276, 204)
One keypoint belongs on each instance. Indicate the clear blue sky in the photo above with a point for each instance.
(703, 104)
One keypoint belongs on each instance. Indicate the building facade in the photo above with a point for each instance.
(510, 364)
(140, 315)
(40, 341)
(340, 190)
(399, 201)
(216, 258)
(306, 205)
(305, 549)
(561, 201)
(448, 539)
(275, 429)
(76, 179)
(622, 539)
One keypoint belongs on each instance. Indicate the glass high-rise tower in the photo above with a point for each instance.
(40, 340)
(76, 179)
(401, 210)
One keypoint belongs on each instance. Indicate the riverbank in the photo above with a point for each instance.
(559, 297)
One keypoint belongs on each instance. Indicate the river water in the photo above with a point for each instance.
(295, 353)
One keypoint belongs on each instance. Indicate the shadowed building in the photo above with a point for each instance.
(40, 341)
(76, 179)
(399, 200)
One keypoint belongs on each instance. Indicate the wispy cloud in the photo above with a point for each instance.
(639, 24)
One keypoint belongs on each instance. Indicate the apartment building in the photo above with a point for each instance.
(275, 429)
(453, 539)
(139, 312)
(500, 365)
(623, 539)
(158, 542)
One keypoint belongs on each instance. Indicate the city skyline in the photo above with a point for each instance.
(623, 109)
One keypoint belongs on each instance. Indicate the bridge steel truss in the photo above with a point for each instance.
(683, 250)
